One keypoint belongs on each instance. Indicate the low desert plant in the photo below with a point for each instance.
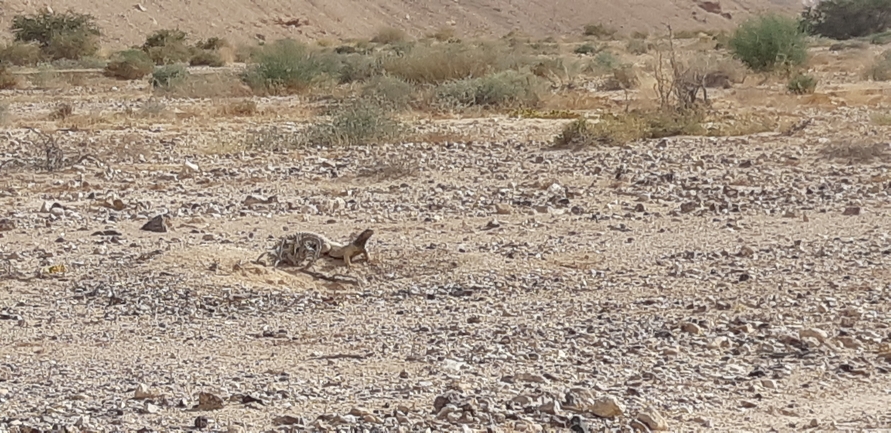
(21, 54)
(769, 41)
(389, 35)
(801, 84)
(599, 31)
(390, 91)
(504, 89)
(167, 46)
(7, 79)
(67, 35)
(212, 44)
(129, 65)
(286, 66)
(361, 122)
(587, 49)
(169, 75)
(447, 62)
(637, 47)
(207, 58)
(880, 69)
(618, 129)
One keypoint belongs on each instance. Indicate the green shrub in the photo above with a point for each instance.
(359, 123)
(801, 84)
(390, 91)
(763, 43)
(20, 54)
(66, 35)
(129, 65)
(169, 75)
(845, 19)
(504, 89)
(880, 69)
(207, 58)
(587, 49)
(285, 66)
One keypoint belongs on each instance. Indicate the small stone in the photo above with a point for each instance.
(817, 334)
(201, 422)
(851, 211)
(748, 404)
(653, 419)
(769, 383)
(151, 408)
(208, 401)
(503, 209)
(158, 224)
(142, 392)
(191, 166)
(691, 328)
(607, 407)
(850, 342)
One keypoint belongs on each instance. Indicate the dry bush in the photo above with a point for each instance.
(599, 31)
(624, 77)
(389, 35)
(880, 69)
(7, 79)
(63, 111)
(857, 152)
(444, 34)
(221, 85)
(802, 84)
(287, 66)
(360, 122)
(501, 90)
(129, 65)
(207, 58)
(167, 47)
(241, 108)
(588, 49)
(391, 91)
(66, 35)
(446, 62)
(637, 47)
(20, 54)
(618, 129)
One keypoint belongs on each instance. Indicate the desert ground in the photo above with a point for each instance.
(737, 279)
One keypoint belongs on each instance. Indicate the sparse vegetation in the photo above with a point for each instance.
(770, 41)
(801, 84)
(286, 66)
(442, 63)
(21, 54)
(167, 46)
(880, 69)
(599, 31)
(7, 79)
(389, 35)
(503, 89)
(67, 35)
(129, 65)
(637, 47)
(390, 91)
(207, 58)
(360, 122)
(587, 49)
(168, 76)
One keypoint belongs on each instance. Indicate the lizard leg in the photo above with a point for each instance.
(346, 260)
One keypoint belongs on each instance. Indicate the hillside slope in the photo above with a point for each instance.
(127, 22)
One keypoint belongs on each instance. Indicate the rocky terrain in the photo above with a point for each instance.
(680, 284)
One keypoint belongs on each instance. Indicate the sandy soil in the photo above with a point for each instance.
(682, 284)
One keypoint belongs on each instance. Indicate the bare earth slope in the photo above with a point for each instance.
(127, 22)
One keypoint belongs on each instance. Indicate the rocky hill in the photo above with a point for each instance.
(127, 22)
